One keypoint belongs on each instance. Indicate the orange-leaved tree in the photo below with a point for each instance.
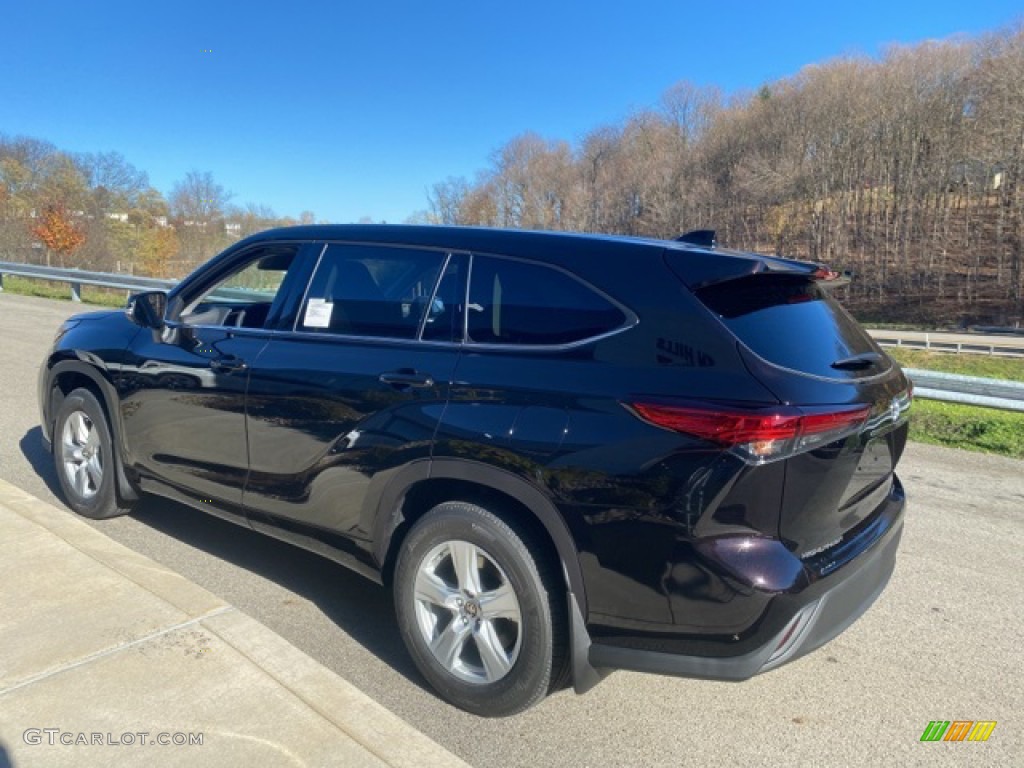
(156, 247)
(58, 233)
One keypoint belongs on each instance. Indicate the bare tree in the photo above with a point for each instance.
(198, 206)
(445, 199)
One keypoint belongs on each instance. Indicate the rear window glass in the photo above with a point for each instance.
(790, 321)
(514, 302)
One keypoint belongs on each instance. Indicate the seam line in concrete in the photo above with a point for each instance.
(103, 563)
(111, 651)
(355, 737)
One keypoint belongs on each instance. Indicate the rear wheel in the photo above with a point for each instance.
(84, 459)
(480, 615)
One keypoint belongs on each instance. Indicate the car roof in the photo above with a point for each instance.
(566, 248)
(588, 255)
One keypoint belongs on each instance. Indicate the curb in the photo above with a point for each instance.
(246, 649)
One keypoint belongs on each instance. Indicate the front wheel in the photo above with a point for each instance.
(84, 458)
(481, 616)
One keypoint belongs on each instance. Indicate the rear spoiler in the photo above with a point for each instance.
(828, 277)
(702, 237)
(701, 268)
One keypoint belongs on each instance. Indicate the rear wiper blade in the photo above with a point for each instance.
(858, 362)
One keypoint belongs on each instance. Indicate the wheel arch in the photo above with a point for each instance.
(69, 375)
(412, 493)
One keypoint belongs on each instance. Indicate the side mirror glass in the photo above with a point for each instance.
(147, 309)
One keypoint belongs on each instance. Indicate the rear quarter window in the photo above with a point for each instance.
(516, 302)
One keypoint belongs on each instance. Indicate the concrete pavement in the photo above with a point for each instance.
(108, 658)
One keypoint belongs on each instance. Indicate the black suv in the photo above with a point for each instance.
(565, 453)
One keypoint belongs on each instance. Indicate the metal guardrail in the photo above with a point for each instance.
(972, 390)
(76, 278)
(1008, 346)
(79, 277)
(953, 387)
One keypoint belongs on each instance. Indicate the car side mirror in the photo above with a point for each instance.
(147, 309)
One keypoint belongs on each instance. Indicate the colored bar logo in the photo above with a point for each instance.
(958, 730)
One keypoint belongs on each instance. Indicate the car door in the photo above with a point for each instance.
(182, 389)
(353, 391)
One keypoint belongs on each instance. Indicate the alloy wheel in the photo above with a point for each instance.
(81, 455)
(467, 612)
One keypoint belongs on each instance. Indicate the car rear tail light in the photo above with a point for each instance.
(757, 435)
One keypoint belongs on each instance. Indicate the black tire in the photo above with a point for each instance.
(83, 456)
(506, 559)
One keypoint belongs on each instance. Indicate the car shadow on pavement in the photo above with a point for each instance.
(355, 604)
(42, 462)
(358, 606)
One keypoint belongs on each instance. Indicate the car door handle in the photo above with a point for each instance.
(228, 364)
(407, 378)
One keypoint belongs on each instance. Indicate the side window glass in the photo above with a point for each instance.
(514, 302)
(370, 291)
(444, 315)
(244, 297)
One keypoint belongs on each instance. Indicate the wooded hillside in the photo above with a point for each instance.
(98, 211)
(906, 169)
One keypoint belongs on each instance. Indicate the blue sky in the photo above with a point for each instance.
(355, 109)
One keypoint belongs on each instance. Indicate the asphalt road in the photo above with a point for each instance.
(943, 642)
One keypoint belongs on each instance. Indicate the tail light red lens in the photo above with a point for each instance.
(760, 435)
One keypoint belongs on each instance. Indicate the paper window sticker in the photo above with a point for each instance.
(318, 313)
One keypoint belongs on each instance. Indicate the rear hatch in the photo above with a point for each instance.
(798, 341)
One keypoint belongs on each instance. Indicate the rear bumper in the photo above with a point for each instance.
(828, 603)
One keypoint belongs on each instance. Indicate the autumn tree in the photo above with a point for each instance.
(156, 248)
(34, 178)
(58, 233)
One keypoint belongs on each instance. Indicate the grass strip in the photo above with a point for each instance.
(987, 366)
(968, 427)
(49, 289)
